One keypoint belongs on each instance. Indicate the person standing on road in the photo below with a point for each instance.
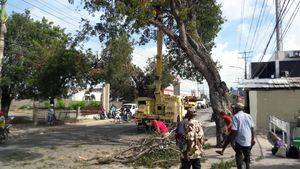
(228, 121)
(180, 134)
(51, 115)
(242, 136)
(194, 138)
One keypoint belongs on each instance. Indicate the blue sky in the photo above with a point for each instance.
(230, 41)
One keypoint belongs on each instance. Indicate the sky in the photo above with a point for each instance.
(248, 26)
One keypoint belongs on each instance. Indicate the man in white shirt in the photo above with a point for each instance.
(242, 136)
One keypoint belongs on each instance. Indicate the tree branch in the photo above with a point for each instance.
(167, 31)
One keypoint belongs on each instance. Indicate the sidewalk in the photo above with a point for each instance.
(262, 157)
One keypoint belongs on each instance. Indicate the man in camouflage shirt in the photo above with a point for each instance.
(194, 141)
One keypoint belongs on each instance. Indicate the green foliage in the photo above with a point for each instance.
(202, 21)
(207, 146)
(159, 158)
(223, 165)
(39, 61)
(60, 104)
(83, 104)
(115, 68)
(74, 105)
(46, 104)
(145, 82)
(92, 104)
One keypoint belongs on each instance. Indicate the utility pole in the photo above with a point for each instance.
(278, 35)
(3, 19)
(245, 59)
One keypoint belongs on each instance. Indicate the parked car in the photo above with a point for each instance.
(131, 106)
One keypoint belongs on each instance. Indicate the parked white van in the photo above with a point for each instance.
(131, 106)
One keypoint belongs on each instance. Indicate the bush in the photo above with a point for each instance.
(94, 104)
(46, 104)
(84, 104)
(60, 104)
(75, 104)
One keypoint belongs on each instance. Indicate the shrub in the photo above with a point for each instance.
(46, 104)
(84, 105)
(60, 104)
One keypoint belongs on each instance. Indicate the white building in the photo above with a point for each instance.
(88, 94)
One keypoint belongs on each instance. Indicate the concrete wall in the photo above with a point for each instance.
(284, 104)
(253, 105)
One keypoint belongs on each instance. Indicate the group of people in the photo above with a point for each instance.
(239, 133)
(123, 114)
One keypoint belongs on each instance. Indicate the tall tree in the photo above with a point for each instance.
(115, 62)
(190, 26)
(38, 62)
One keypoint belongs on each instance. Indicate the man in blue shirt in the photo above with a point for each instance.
(242, 136)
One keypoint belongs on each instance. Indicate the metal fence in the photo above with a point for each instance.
(284, 127)
(40, 115)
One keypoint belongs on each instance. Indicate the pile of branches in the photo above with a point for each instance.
(154, 149)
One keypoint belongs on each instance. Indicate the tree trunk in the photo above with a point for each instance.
(5, 100)
(219, 102)
(202, 60)
(51, 99)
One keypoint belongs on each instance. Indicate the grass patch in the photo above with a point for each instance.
(159, 158)
(223, 165)
(259, 158)
(207, 146)
(21, 156)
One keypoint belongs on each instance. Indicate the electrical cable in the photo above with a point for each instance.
(252, 18)
(49, 13)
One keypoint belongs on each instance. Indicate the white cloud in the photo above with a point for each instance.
(292, 39)
(231, 62)
(141, 54)
(232, 9)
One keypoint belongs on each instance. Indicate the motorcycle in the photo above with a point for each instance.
(4, 133)
(101, 115)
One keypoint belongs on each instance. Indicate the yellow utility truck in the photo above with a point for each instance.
(165, 107)
(190, 102)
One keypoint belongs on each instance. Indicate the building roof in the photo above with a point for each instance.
(280, 83)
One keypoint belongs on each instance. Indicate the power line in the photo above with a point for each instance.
(21, 10)
(242, 22)
(49, 13)
(62, 4)
(252, 18)
(259, 21)
(296, 10)
(56, 10)
(281, 17)
(283, 11)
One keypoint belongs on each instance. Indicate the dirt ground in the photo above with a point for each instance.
(59, 147)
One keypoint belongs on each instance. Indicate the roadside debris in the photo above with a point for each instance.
(153, 151)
